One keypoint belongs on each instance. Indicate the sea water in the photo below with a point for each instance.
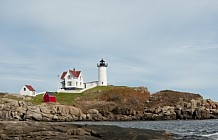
(184, 130)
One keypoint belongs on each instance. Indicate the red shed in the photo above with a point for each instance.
(49, 97)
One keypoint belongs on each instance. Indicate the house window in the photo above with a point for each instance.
(69, 83)
(76, 83)
(80, 78)
(69, 77)
(80, 83)
(24, 89)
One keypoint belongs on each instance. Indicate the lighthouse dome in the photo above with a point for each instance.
(102, 63)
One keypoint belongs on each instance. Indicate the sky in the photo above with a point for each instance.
(162, 44)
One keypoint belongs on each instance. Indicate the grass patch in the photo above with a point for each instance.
(118, 94)
(62, 98)
(67, 98)
(37, 99)
(71, 98)
(99, 88)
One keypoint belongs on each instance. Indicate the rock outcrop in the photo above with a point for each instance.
(164, 105)
(20, 110)
(11, 109)
(17, 130)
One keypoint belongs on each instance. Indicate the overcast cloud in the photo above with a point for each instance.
(163, 44)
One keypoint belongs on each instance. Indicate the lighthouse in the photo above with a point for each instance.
(102, 73)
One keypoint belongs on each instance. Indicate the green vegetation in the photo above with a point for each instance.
(62, 98)
(38, 99)
(71, 98)
(67, 98)
(100, 88)
(118, 94)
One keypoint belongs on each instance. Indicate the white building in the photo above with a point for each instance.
(72, 80)
(102, 73)
(28, 90)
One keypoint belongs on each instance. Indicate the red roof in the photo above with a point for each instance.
(63, 75)
(50, 94)
(30, 87)
(73, 72)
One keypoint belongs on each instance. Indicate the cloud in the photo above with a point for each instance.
(206, 45)
(164, 44)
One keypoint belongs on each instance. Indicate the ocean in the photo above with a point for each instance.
(184, 130)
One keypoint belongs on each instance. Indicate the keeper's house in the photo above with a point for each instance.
(71, 80)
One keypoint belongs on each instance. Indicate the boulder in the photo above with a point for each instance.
(33, 116)
(148, 116)
(5, 115)
(74, 111)
(21, 110)
(95, 117)
(45, 109)
(78, 131)
(214, 111)
(93, 111)
(88, 117)
(35, 109)
(48, 117)
(205, 114)
(55, 118)
(156, 110)
(83, 117)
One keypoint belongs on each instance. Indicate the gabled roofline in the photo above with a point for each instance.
(75, 73)
(30, 88)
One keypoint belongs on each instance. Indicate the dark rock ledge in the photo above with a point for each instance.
(26, 130)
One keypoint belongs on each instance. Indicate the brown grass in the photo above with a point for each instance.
(122, 96)
(170, 98)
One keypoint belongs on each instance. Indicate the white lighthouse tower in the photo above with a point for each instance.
(102, 73)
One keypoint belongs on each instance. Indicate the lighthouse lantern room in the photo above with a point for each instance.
(102, 73)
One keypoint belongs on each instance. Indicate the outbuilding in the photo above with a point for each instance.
(28, 90)
(49, 97)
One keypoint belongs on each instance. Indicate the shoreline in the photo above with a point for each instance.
(158, 130)
(55, 130)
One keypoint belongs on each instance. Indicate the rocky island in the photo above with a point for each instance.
(21, 114)
(110, 104)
